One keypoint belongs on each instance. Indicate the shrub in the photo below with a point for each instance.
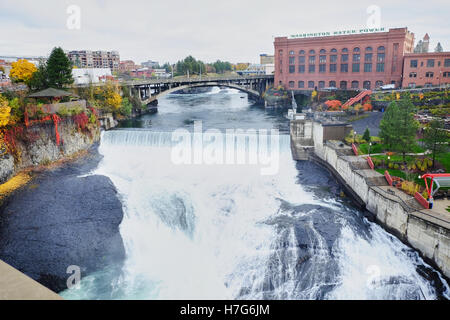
(396, 166)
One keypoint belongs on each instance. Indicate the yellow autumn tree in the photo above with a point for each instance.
(5, 112)
(22, 71)
(108, 96)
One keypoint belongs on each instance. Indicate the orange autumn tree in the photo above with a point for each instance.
(22, 71)
(333, 105)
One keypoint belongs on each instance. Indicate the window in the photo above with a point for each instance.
(322, 59)
(344, 58)
(378, 84)
(366, 85)
(356, 57)
(355, 67)
(301, 52)
(322, 68)
(301, 68)
(412, 85)
(413, 75)
(333, 50)
(344, 67)
(380, 67)
(311, 84)
(345, 50)
(381, 57)
(291, 53)
(446, 74)
(291, 84)
(312, 52)
(369, 49)
(301, 84)
(343, 85)
(301, 60)
(447, 63)
(430, 63)
(333, 58)
(355, 84)
(356, 50)
(413, 64)
(332, 84)
(291, 69)
(381, 48)
(312, 68)
(321, 84)
(291, 60)
(428, 85)
(323, 51)
(367, 67)
(312, 60)
(368, 57)
(333, 68)
(429, 74)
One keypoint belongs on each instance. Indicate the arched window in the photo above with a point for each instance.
(321, 84)
(291, 84)
(333, 50)
(291, 53)
(355, 84)
(369, 49)
(301, 84)
(343, 85)
(332, 84)
(301, 52)
(345, 50)
(429, 74)
(356, 49)
(366, 85)
(413, 75)
(323, 51)
(378, 84)
(312, 52)
(381, 48)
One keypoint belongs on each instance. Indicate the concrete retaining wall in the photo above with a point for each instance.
(411, 225)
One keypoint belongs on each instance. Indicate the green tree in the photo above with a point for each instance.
(39, 80)
(366, 135)
(436, 138)
(59, 69)
(398, 127)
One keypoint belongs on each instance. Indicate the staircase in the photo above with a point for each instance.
(359, 97)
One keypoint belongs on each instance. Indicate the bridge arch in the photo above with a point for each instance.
(252, 93)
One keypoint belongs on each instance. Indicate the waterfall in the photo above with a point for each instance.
(229, 232)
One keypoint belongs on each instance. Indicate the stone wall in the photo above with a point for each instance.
(410, 224)
(40, 147)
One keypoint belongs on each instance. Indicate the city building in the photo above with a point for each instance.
(95, 59)
(150, 64)
(258, 69)
(127, 66)
(161, 73)
(91, 75)
(353, 59)
(267, 59)
(142, 73)
(426, 69)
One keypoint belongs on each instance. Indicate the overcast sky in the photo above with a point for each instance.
(168, 30)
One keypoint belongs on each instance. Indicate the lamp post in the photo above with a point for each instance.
(370, 146)
(389, 161)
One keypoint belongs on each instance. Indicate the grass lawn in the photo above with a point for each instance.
(401, 174)
(380, 148)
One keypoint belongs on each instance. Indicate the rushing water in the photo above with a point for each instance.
(229, 232)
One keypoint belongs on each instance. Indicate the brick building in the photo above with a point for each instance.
(95, 59)
(347, 61)
(426, 69)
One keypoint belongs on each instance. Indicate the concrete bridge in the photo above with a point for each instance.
(151, 90)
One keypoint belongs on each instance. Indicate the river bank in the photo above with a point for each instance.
(57, 221)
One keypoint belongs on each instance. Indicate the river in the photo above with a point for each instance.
(228, 231)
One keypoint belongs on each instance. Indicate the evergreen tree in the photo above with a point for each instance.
(39, 80)
(436, 138)
(59, 69)
(366, 135)
(398, 127)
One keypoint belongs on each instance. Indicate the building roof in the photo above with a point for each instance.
(427, 37)
(52, 93)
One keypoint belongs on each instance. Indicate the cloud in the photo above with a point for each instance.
(233, 30)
